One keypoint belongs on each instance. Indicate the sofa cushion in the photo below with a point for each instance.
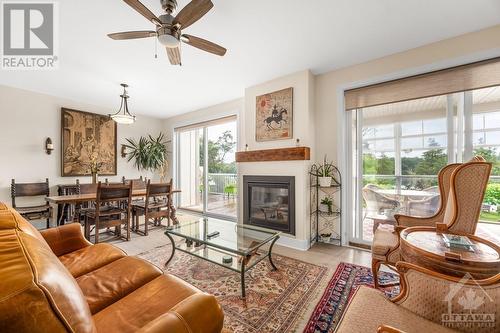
(143, 305)
(11, 219)
(38, 294)
(369, 308)
(90, 258)
(383, 241)
(108, 284)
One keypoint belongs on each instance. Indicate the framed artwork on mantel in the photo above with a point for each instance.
(274, 116)
(87, 138)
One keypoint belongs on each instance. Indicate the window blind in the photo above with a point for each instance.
(202, 124)
(476, 75)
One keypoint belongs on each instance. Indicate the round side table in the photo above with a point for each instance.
(425, 247)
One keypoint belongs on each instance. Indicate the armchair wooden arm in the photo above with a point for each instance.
(388, 329)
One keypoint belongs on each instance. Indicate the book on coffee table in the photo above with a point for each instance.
(458, 241)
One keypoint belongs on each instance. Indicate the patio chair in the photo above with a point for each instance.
(427, 206)
(461, 188)
(377, 203)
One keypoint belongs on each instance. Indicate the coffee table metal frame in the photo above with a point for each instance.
(236, 254)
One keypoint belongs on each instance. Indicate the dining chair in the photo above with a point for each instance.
(82, 208)
(137, 184)
(112, 209)
(461, 188)
(154, 208)
(32, 212)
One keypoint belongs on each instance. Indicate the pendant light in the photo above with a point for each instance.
(123, 116)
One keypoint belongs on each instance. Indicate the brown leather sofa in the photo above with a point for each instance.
(55, 281)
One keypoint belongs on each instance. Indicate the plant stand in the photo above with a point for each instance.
(325, 227)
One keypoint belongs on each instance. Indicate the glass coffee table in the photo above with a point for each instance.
(227, 244)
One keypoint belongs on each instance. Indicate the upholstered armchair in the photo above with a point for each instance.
(461, 188)
(426, 303)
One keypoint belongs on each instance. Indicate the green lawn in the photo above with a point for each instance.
(490, 217)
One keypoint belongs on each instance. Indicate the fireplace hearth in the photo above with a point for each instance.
(269, 202)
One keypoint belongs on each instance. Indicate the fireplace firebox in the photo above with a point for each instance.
(269, 202)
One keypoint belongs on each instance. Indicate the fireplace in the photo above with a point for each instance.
(269, 202)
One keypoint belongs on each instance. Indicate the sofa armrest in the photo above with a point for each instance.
(388, 329)
(199, 313)
(65, 239)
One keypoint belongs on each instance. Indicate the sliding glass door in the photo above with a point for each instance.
(206, 167)
(399, 148)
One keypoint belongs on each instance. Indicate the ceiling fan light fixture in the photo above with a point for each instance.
(168, 41)
(123, 115)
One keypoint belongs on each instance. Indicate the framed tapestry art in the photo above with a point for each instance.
(274, 116)
(87, 139)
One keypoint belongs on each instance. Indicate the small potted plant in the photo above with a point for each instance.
(325, 173)
(326, 205)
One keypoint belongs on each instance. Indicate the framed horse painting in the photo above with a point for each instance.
(274, 116)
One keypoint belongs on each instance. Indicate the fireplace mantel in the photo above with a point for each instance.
(279, 154)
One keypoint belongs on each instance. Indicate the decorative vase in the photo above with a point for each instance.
(94, 177)
(325, 181)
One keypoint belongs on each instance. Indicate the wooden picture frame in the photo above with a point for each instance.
(274, 116)
(84, 136)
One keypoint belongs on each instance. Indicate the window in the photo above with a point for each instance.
(403, 146)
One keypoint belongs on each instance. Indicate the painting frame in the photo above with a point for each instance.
(64, 144)
(274, 115)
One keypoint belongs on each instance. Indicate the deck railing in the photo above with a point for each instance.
(217, 182)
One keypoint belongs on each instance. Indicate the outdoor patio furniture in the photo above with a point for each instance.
(427, 206)
(377, 203)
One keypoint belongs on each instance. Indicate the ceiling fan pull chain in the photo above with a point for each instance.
(156, 48)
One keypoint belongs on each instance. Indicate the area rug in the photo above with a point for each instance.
(346, 279)
(275, 300)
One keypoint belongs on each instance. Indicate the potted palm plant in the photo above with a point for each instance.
(149, 154)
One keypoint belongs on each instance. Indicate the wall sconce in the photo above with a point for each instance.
(49, 146)
(124, 151)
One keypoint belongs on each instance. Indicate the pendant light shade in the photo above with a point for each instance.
(123, 116)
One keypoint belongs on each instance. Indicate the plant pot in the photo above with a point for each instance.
(325, 181)
(94, 177)
(323, 208)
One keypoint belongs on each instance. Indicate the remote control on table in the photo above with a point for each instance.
(213, 234)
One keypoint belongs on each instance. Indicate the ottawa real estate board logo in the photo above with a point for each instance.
(29, 35)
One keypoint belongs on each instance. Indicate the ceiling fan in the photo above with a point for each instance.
(169, 28)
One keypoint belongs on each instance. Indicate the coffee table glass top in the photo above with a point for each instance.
(232, 237)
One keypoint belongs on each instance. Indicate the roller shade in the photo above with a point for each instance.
(477, 75)
(213, 122)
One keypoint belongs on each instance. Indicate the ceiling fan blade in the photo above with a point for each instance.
(144, 11)
(204, 45)
(192, 12)
(131, 35)
(174, 55)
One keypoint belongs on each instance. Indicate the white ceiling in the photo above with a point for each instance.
(265, 39)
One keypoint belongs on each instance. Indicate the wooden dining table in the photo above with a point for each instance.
(65, 200)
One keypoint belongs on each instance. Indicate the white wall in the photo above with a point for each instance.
(303, 123)
(28, 118)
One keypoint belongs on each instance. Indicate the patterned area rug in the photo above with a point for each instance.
(346, 279)
(275, 300)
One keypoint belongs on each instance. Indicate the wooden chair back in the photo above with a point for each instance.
(86, 188)
(137, 184)
(28, 190)
(107, 193)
